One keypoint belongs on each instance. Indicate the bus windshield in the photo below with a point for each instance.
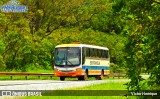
(67, 56)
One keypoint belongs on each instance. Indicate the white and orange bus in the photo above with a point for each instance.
(81, 61)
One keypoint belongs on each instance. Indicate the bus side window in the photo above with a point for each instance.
(96, 52)
(87, 54)
(106, 54)
(93, 52)
(99, 53)
(83, 55)
(103, 53)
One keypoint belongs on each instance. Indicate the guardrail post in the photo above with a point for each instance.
(38, 77)
(50, 77)
(11, 77)
(26, 77)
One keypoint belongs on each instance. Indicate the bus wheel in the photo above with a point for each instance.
(80, 78)
(85, 75)
(62, 78)
(101, 76)
(98, 78)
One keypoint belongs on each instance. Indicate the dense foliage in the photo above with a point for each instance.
(28, 39)
(130, 29)
(143, 43)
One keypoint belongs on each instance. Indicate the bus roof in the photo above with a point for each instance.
(82, 45)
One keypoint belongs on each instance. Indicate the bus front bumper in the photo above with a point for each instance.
(78, 72)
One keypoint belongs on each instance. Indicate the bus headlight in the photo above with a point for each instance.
(78, 69)
(56, 69)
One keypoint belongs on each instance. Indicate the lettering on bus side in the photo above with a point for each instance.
(94, 63)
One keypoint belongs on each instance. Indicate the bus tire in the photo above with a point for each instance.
(62, 78)
(98, 78)
(80, 78)
(85, 75)
(101, 76)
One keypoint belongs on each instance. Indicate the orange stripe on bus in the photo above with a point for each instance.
(91, 72)
(78, 72)
(106, 72)
(94, 72)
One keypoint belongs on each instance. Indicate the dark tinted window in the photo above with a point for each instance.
(87, 52)
(103, 54)
(83, 55)
(106, 54)
(91, 52)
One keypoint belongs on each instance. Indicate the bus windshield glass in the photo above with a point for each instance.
(67, 56)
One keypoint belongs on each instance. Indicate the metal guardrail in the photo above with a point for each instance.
(25, 74)
(119, 75)
(11, 74)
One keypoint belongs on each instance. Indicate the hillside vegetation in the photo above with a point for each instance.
(130, 29)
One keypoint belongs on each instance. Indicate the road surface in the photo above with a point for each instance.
(48, 84)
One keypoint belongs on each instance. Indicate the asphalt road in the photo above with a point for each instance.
(48, 84)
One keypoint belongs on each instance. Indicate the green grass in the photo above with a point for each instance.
(104, 86)
(95, 87)
(101, 87)
(75, 97)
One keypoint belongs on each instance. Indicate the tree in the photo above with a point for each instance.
(143, 43)
(27, 36)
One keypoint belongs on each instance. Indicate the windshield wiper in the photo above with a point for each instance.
(70, 62)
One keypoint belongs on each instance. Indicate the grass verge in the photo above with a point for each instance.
(93, 89)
